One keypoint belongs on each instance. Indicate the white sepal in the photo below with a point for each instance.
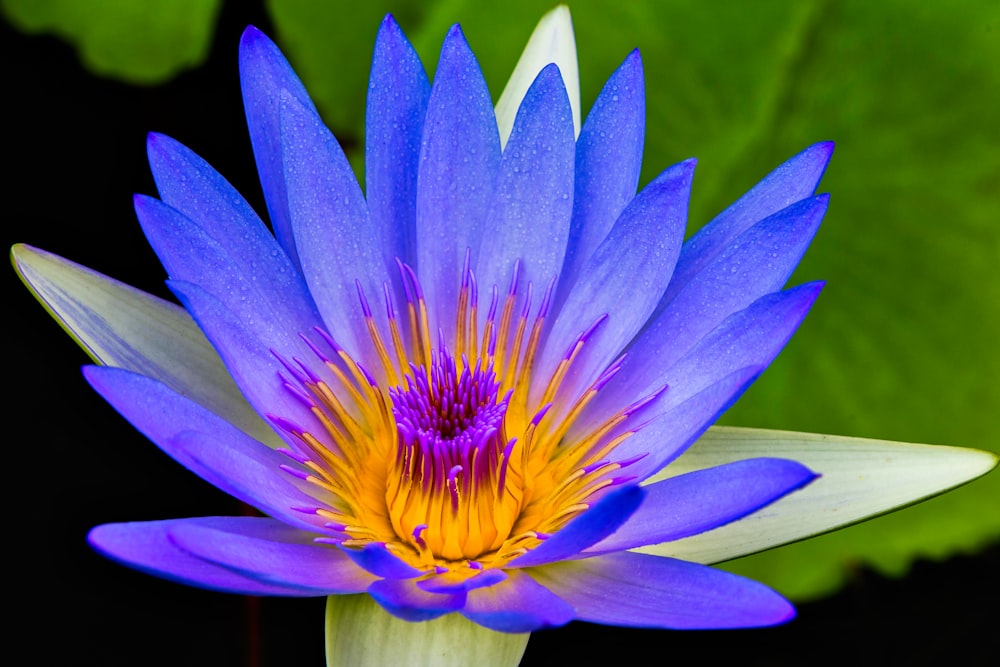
(359, 633)
(119, 325)
(859, 479)
(551, 42)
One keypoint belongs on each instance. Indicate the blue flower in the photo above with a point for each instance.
(470, 369)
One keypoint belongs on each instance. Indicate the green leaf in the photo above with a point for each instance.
(359, 633)
(902, 344)
(140, 42)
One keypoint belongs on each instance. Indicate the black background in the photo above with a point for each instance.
(73, 152)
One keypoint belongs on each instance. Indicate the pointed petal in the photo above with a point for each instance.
(608, 163)
(530, 214)
(519, 604)
(264, 74)
(337, 244)
(593, 525)
(647, 591)
(404, 599)
(793, 180)
(118, 325)
(756, 263)
(672, 430)
(552, 41)
(359, 633)
(751, 337)
(458, 168)
(625, 276)
(701, 500)
(148, 547)
(206, 444)
(859, 479)
(266, 550)
(378, 560)
(394, 123)
(449, 582)
(189, 254)
(251, 363)
(192, 187)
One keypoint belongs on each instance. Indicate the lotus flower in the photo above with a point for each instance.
(461, 391)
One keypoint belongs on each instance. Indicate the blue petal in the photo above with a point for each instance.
(624, 278)
(190, 254)
(653, 592)
(593, 525)
(251, 362)
(402, 598)
(530, 214)
(394, 122)
(269, 551)
(667, 434)
(749, 338)
(792, 181)
(519, 604)
(449, 582)
(757, 262)
(206, 444)
(705, 499)
(459, 160)
(338, 246)
(608, 162)
(191, 186)
(264, 73)
(753, 336)
(147, 547)
(378, 560)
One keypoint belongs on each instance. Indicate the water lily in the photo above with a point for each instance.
(470, 392)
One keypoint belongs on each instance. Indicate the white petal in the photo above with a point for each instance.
(119, 325)
(860, 479)
(551, 42)
(359, 633)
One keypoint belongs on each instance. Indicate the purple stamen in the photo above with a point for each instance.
(417, 535)
(514, 277)
(328, 339)
(450, 426)
(295, 472)
(365, 309)
(315, 350)
(293, 455)
(286, 425)
(289, 366)
(632, 459)
(390, 312)
(303, 398)
(543, 310)
(465, 268)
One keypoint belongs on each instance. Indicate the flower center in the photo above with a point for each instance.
(447, 485)
(446, 461)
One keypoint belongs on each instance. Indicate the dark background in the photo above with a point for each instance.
(74, 151)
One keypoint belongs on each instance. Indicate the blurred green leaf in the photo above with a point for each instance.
(902, 345)
(140, 42)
